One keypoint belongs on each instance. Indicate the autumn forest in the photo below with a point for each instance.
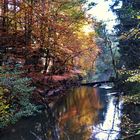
(62, 70)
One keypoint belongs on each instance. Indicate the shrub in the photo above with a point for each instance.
(15, 95)
(130, 81)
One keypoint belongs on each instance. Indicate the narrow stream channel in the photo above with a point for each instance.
(86, 113)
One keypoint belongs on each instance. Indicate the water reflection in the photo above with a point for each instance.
(85, 113)
(78, 111)
(110, 128)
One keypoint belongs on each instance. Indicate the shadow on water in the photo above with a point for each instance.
(86, 113)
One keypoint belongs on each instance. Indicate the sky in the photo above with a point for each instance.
(102, 13)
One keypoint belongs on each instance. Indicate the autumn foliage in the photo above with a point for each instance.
(46, 36)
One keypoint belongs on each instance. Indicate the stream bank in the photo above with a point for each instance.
(85, 113)
(48, 90)
(129, 83)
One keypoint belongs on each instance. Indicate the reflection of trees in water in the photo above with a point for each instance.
(104, 102)
(116, 111)
(39, 127)
(46, 128)
(112, 132)
(70, 119)
(77, 111)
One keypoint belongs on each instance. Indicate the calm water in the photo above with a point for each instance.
(86, 113)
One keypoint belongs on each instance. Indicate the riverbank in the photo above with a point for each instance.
(130, 85)
(51, 87)
(130, 120)
(78, 116)
(48, 89)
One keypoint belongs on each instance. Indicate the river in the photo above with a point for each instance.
(85, 113)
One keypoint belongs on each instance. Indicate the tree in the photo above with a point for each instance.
(128, 32)
(46, 30)
(107, 61)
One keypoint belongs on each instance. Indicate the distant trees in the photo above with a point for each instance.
(129, 32)
(107, 61)
(45, 35)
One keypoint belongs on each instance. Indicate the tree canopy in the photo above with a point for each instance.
(45, 35)
(128, 32)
